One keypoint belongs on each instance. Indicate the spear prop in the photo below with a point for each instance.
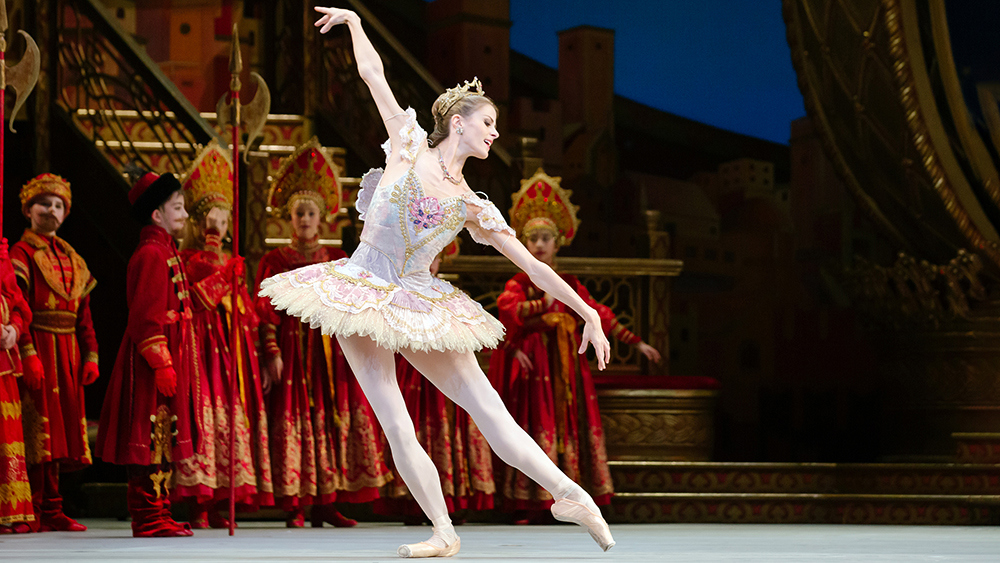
(254, 116)
(22, 78)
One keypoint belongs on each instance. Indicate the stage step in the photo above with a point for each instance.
(947, 493)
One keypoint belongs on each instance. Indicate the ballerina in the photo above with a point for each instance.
(384, 300)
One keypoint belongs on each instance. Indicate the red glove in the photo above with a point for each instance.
(90, 372)
(166, 380)
(3, 248)
(235, 267)
(34, 372)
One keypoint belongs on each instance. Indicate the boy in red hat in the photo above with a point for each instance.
(59, 350)
(146, 420)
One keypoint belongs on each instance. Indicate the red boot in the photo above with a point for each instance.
(149, 508)
(295, 518)
(326, 513)
(199, 515)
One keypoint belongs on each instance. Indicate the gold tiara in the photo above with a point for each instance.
(451, 96)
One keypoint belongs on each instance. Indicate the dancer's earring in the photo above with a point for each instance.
(460, 130)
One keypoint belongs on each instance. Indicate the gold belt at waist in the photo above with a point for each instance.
(57, 322)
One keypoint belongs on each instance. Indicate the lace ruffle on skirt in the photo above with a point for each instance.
(340, 298)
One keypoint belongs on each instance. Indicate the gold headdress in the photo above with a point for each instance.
(208, 182)
(451, 96)
(542, 203)
(311, 173)
(45, 184)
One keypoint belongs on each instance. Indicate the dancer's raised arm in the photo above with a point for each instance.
(549, 282)
(369, 67)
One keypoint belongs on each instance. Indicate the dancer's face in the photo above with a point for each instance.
(542, 245)
(480, 130)
(218, 219)
(171, 215)
(305, 219)
(47, 214)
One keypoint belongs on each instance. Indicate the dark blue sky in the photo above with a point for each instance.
(722, 62)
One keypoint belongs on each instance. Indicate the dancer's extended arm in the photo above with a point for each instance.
(369, 67)
(550, 282)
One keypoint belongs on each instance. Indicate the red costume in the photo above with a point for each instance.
(324, 439)
(16, 511)
(144, 425)
(62, 347)
(555, 401)
(207, 186)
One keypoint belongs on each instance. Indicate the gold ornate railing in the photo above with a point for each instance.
(118, 97)
(628, 286)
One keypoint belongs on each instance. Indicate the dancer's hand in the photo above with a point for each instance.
(272, 372)
(332, 17)
(592, 334)
(652, 354)
(524, 360)
(8, 338)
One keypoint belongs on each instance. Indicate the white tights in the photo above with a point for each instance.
(461, 379)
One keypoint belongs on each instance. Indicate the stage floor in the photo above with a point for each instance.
(110, 541)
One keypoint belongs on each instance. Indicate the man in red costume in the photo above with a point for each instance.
(146, 419)
(59, 350)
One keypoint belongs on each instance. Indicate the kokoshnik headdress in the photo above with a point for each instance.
(309, 173)
(45, 184)
(542, 203)
(451, 96)
(209, 182)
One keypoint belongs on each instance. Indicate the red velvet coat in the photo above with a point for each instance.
(159, 334)
(57, 285)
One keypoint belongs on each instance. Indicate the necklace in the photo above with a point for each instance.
(447, 175)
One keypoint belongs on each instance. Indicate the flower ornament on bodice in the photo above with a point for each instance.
(425, 213)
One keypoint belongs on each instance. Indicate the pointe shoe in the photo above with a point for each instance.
(424, 549)
(566, 510)
(295, 518)
(20, 528)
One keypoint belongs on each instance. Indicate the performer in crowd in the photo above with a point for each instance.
(544, 382)
(16, 512)
(324, 442)
(384, 300)
(59, 349)
(456, 446)
(208, 192)
(149, 422)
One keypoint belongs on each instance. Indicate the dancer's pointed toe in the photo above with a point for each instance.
(566, 510)
(424, 549)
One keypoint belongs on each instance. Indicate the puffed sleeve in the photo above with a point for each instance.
(411, 138)
(484, 216)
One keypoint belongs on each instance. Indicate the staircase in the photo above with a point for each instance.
(805, 493)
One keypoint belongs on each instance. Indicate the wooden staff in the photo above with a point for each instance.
(230, 111)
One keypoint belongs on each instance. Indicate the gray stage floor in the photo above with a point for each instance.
(111, 541)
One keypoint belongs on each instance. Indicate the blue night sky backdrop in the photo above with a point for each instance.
(721, 62)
